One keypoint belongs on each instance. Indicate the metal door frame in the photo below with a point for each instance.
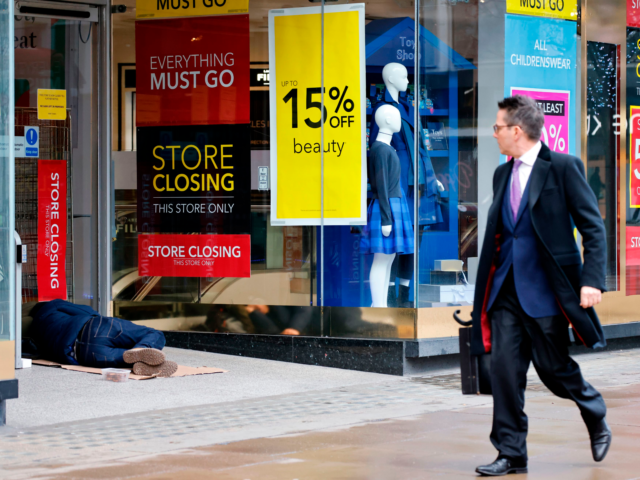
(105, 188)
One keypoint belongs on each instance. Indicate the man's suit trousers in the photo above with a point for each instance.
(518, 339)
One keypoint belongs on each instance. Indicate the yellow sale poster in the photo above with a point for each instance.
(319, 126)
(564, 9)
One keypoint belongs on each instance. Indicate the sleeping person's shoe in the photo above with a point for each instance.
(150, 356)
(167, 369)
(502, 466)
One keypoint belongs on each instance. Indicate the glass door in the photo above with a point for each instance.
(57, 151)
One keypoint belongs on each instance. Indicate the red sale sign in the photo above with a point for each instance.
(52, 229)
(633, 246)
(634, 157)
(194, 255)
(633, 13)
(193, 71)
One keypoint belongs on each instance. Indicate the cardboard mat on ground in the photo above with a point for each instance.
(183, 371)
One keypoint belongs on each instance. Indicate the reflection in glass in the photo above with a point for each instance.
(603, 143)
(632, 205)
(448, 252)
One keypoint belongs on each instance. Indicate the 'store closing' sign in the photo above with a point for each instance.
(52, 229)
(194, 179)
(194, 255)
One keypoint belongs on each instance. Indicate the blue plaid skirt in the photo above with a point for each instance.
(401, 238)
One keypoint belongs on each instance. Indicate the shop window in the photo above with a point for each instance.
(310, 242)
(603, 144)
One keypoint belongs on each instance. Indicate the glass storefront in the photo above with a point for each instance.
(7, 213)
(297, 109)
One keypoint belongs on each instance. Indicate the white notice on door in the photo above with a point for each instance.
(19, 147)
(263, 178)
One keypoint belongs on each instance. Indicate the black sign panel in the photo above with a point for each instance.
(633, 67)
(260, 131)
(554, 108)
(194, 179)
(259, 77)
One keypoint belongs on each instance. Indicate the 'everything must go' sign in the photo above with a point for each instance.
(193, 71)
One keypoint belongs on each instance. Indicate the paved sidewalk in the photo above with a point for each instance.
(53, 395)
(429, 410)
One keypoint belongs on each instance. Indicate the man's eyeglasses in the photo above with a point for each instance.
(496, 127)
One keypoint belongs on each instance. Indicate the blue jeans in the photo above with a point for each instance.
(103, 341)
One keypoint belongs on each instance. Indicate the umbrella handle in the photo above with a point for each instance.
(464, 323)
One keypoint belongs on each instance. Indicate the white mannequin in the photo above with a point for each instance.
(395, 78)
(388, 121)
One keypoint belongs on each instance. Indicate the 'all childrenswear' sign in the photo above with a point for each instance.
(540, 62)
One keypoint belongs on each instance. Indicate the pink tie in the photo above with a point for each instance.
(516, 191)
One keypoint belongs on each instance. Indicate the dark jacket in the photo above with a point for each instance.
(55, 328)
(558, 194)
(519, 251)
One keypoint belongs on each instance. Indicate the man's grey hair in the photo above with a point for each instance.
(524, 112)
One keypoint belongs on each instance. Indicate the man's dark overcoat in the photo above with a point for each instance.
(558, 194)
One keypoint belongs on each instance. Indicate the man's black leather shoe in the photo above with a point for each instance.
(600, 440)
(502, 466)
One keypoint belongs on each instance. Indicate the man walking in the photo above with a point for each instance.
(532, 285)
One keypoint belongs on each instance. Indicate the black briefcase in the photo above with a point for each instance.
(475, 371)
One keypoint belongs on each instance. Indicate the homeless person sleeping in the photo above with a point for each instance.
(78, 335)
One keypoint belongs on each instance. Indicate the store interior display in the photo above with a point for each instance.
(389, 231)
(395, 77)
(390, 80)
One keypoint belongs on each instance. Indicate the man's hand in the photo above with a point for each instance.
(589, 297)
(290, 331)
(261, 308)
